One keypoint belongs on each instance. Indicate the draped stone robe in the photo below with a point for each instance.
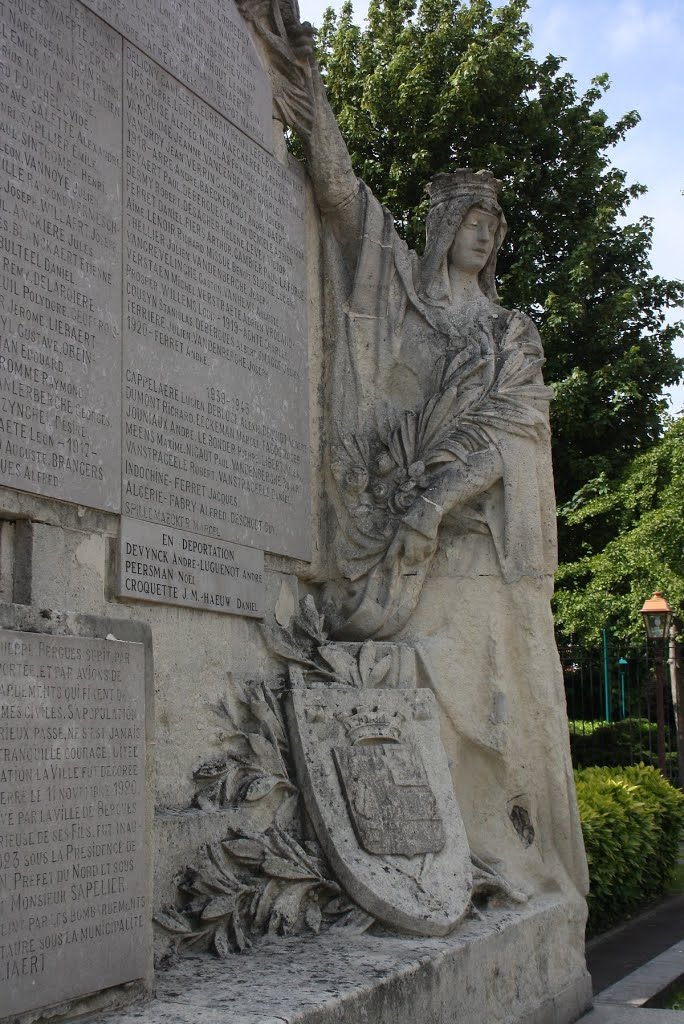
(477, 609)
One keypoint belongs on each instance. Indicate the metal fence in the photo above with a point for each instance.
(612, 706)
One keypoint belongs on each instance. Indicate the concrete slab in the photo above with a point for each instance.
(611, 1014)
(612, 956)
(642, 985)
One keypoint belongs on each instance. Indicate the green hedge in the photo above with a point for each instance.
(632, 821)
(613, 744)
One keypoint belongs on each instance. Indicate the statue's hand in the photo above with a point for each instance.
(290, 45)
(410, 547)
(299, 33)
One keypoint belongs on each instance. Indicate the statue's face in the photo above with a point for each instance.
(473, 243)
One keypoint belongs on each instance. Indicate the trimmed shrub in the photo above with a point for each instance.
(630, 741)
(632, 822)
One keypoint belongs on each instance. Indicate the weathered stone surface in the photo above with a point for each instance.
(72, 817)
(215, 345)
(206, 46)
(515, 967)
(376, 784)
(60, 182)
(174, 567)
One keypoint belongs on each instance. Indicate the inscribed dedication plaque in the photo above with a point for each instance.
(60, 253)
(215, 345)
(72, 844)
(173, 567)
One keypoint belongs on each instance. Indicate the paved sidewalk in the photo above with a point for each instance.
(634, 962)
(612, 956)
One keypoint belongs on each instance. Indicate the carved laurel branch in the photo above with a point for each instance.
(253, 883)
(305, 644)
(384, 473)
(257, 884)
(254, 764)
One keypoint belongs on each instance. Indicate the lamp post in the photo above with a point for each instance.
(657, 616)
(622, 665)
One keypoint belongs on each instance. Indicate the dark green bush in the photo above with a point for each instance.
(613, 744)
(632, 821)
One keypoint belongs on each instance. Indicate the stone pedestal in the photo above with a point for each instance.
(515, 967)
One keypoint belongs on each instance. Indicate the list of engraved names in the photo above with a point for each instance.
(215, 359)
(72, 784)
(206, 45)
(60, 252)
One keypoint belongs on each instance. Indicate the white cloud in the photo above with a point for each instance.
(636, 26)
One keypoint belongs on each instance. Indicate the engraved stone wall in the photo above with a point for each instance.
(214, 338)
(205, 44)
(72, 817)
(201, 293)
(60, 253)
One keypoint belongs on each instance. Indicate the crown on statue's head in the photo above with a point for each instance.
(374, 725)
(463, 182)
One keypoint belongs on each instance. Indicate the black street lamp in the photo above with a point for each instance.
(657, 617)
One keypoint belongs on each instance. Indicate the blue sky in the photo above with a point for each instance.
(640, 43)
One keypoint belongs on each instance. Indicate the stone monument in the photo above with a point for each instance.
(277, 666)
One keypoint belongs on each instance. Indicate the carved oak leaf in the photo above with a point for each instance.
(263, 785)
(263, 714)
(245, 850)
(356, 921)
(338, 905)
(218, 907)
(367, 657)
(342, 663)
(309, 621)
(212, 769)
(283, 644)
(171, 921)
(287, 810)
(287, 908)
(206, 883)
(279, 867)
(241, 940)
(222, 942)
(378, 672)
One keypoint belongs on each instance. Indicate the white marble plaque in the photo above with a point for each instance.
(206, 45)
(72, 816)
(215, 401)
(173, 567)
(60, 253)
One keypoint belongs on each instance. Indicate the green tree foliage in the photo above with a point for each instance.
(429, 85)
(640, 519)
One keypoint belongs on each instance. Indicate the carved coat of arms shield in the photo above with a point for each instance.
(377, 787)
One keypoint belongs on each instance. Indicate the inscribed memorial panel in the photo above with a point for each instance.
(72, 817)
(173, 567)
(60, 253)
(215, 346)
(206, 45)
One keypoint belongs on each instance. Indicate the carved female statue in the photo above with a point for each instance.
(443, 528)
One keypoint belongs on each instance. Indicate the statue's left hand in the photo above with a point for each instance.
(290, 45)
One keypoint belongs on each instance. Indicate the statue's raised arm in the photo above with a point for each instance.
(300, 98)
